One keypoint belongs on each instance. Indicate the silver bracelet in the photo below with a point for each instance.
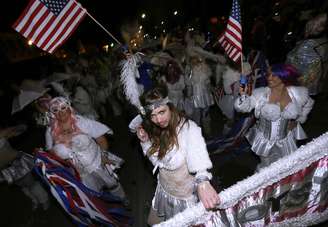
(201, 179)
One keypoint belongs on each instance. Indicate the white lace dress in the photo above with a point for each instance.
(270, 137)
(178, 170)
(85, 154)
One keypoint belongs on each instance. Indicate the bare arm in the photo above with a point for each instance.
(102, 142)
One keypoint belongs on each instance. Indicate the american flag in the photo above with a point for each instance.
(49, 23)
(85, 206)
(231, 39)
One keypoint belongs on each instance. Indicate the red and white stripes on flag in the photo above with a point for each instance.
(231, 39)
(49, 23)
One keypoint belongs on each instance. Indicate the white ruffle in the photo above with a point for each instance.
(270, 112)
(298, 109)
(299, 133)
(135, 123)
(262, 146)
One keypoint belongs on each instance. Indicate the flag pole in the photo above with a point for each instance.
(110, 34)
(241, 62)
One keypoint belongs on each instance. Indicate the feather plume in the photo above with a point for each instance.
(129, 74)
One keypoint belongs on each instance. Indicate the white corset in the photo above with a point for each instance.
(84, 153)
(272, 112)
(172, 160)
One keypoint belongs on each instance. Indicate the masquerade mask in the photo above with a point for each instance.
(59, 108)
(59, 105)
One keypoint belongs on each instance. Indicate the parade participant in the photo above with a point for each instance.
(230, 83)
(176, 146)
(82, 103)
(279, 109)
(310, 55)
(199, 83)
(174, 80)
(82, 141)
(16, 168)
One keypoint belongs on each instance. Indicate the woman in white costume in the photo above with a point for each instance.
(199, 85)
(82, 141)
(279, 109)
(177, 148)
(198, 82)
(174, 80)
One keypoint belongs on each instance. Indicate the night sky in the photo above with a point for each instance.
(115, 14)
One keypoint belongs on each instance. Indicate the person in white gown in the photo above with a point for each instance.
(175, 82)
(280, 108)
(82, 141)
(202, 99)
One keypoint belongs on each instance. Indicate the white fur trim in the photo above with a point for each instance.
(305, 220)
(197, 155)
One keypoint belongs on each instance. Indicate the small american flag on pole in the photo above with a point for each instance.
(49, 23)
(231, 39)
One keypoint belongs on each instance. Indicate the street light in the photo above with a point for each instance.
(175, 12)
(105, 47)
(143, 16)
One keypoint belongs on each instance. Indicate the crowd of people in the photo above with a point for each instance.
(179, 84)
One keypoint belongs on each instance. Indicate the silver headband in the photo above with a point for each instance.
(157, 104)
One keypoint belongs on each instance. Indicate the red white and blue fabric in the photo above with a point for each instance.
(233, 142)
(85, 206)
(49, 23)
(231, 38)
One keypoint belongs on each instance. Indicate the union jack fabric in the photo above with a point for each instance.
(231, 38)
(85, 206)
(49, 23)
